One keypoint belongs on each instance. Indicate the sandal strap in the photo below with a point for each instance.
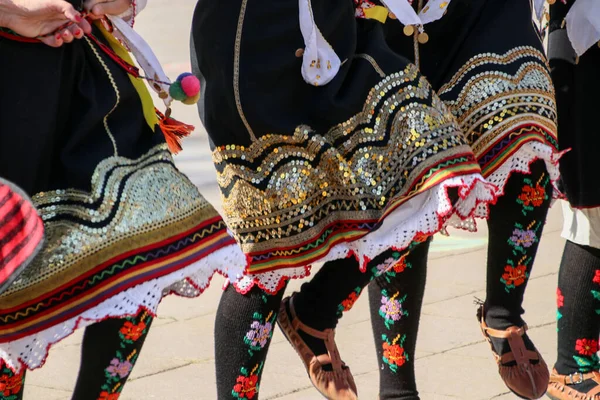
(510, 357)
(328, 337)
(577, 378)
(507, 333)
(514, 335)
(299, 325)
(504, 334)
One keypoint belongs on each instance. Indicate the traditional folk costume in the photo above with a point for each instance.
(328, 148)
(497, 84)
(574, 52)
(123, 226)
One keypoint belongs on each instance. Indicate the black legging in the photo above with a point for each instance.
(515, 227)
(109, 352)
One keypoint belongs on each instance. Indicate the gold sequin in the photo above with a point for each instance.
(291, 187)
(128, 200)
(490, 103)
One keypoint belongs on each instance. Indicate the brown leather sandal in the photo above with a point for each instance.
(523, 371)
(558, 388)
(335, 384)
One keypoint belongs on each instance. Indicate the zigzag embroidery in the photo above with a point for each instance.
(501, 147)
(515, 80)
(321, 240)
(172, 248)
(312, 245)
(374, 202)
(483, 59)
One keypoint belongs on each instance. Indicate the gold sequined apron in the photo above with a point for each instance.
(309, 174)
(486, 62)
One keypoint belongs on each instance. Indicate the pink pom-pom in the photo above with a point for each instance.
(190, 85)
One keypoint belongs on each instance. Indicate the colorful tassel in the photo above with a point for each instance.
(185, 89)
(173, 130)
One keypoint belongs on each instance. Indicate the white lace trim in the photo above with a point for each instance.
(520, 161)
(32, 351)
(423, 214)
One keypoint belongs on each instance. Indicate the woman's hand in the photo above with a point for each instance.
(100, 8)
(41, 18)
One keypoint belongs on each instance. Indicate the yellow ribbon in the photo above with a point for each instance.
(378, 13)
(139, 85)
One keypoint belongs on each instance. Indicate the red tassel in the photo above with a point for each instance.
(173, 130)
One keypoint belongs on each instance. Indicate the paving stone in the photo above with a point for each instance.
(33, 392)
(191, 382)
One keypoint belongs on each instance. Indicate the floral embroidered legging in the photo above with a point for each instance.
(109, 351)
(515, 227)
(245, 322)
(578, 302)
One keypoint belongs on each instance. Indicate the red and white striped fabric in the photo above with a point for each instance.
(21, 232)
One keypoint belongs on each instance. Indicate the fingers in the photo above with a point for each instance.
(76, 31)
(54, 40)
(114, 7)
(63, 34)
(67, 36)
(95, 17)
(74, 16)
(69, 12)
(85, 26)
(71, 33)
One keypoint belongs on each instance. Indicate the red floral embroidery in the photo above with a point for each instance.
(533, 196)
(109, 396)
(586, 347)
(400, 266)
(11, 385)
(597, 277)
(132, 331)
(420, 238)
(560, 299)
(349, 302)
(246, 386)
(515, 275)
(394, 354)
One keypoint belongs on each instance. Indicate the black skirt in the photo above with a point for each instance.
(577, 84)
(122, 223)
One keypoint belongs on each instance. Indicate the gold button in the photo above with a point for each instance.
(409, 30)
(423, 37)
(392, 15)
(163, 95)
(551, 2)
(299, 52)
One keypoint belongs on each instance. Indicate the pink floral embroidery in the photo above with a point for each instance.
(117, 367)
(259, 334)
